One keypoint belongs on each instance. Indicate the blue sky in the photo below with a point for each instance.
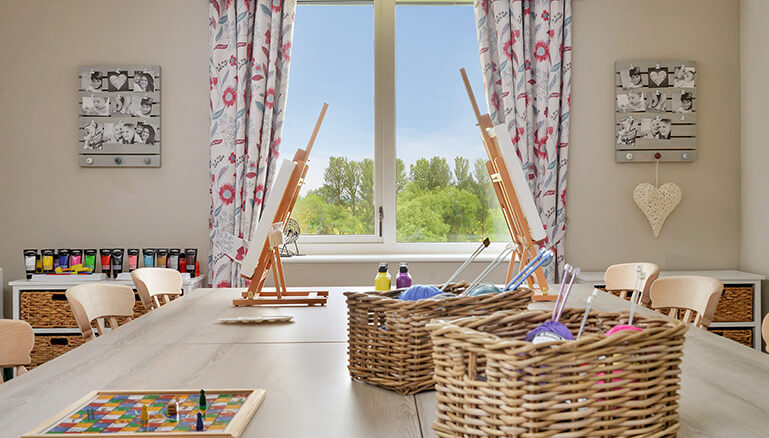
(333, 61)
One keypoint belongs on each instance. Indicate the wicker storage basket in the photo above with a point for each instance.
(48, 347)
(50, 309)
(735, 305)
(388, 343)
(743, 336)
(490, 382)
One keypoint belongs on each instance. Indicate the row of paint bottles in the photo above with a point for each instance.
(383, 281)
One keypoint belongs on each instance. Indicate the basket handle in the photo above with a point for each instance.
(58, 297)
(59, 341)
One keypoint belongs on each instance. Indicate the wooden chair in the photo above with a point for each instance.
(765, 331)
(157, 286)
(16, 342)
(621, 279)
(94, 302)
(694, 296)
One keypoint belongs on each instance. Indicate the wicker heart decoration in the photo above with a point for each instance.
(657, 202)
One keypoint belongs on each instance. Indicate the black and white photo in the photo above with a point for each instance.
(143, 81)
(92, 81)
(657, 101)
(684, 77)
(93, 136)
(683, 101)
(627, 130)
(658, 77)
(656, 128)
(632, 101)
(117, 80)
(146, 133)
(95, 106)
(631, 78)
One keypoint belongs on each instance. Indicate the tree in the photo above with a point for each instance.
(429, 175)
(462, 173)
(401, 178)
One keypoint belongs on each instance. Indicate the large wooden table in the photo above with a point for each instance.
(303, 367)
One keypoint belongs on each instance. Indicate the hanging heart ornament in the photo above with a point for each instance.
(657, 202)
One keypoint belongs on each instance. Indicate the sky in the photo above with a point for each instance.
(333, 61)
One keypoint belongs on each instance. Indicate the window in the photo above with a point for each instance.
(399, 163)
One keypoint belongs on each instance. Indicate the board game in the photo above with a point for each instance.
(224, 413)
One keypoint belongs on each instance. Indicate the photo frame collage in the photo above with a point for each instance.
(655, 105)
(119, 110)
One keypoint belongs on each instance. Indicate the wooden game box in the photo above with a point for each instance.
(116, 413)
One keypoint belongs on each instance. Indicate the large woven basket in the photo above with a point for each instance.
(50, 309)
(490, 382)
(388, 343)
(48, 347)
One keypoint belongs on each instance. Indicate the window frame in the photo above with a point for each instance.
(384, 240)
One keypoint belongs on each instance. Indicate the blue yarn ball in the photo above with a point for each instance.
(484, 289)
(419, 292)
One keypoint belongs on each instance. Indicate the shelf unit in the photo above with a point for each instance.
(730, 278)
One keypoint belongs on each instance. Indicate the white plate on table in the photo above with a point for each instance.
(256, 319)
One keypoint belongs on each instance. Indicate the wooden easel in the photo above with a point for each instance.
(526, 247)
(269, 256)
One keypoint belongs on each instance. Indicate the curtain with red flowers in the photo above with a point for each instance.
(250, 44)
(525, 49)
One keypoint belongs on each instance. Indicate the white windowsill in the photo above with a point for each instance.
(387, 258)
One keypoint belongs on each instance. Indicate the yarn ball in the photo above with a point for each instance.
(549, 331)
(484, 289)
(622, 327)
(442, 296)
(419, 292)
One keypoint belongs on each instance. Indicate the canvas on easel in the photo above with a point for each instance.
(515, 199)
(263, 251)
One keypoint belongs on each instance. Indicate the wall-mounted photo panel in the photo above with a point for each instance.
(119, 108)
(656, 111)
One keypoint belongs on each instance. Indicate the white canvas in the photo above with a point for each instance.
(271, 204)
(515, 169)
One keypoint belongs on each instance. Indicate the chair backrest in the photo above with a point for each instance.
(16, 342)
(621, 280)
(156, 284)
(690, 298)
(765, 331)
(92, 302)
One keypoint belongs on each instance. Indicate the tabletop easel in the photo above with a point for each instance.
(269, 255)
(509, 201)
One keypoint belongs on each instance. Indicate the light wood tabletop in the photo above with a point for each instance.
(303, 367)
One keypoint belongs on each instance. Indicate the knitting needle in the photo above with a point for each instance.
(566, 270)
(484, 245)
(635, 298)
(502, 255)
(523, 271)
(544, 258)
(574, 274)
(587, 311)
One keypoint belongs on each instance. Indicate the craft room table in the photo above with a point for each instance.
(303, 367)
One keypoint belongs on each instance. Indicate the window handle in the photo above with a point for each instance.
(381, 220)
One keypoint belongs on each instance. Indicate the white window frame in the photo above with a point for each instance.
(384, 239)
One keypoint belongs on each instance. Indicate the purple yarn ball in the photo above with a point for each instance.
(550, 331)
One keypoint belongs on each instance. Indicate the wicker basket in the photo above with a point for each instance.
(48, 347)
(490, 382)
(735, 305)
(743, 336)
(50, 309)
(388, 344)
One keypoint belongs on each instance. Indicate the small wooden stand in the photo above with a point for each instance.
(517, 224)
(269, 256)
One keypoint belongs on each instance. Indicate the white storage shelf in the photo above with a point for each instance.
(728, 278)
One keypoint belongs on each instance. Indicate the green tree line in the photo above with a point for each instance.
(435, 203)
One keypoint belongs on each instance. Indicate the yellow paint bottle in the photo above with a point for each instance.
(383, 280)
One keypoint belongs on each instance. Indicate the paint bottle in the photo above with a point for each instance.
(404, 279)
(149, 257)
(30, 257)
(382, 281)
(48, 255)
(64, 258)
(191, 260)
(75, 257)
(133, 259)
(89, 259)
(161, 257)
(117, 261)
(38, 264)
(106, 261)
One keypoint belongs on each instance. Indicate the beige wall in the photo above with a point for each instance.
(604, 224)
(46, 199)
(755, 146)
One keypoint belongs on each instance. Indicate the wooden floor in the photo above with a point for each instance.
(303, 367)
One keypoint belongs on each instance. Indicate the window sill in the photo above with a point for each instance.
(387, 258)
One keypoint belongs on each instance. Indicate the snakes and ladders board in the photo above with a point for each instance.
(118, 414)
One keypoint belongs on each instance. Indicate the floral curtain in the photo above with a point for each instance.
(525, 49)
(250, 46)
